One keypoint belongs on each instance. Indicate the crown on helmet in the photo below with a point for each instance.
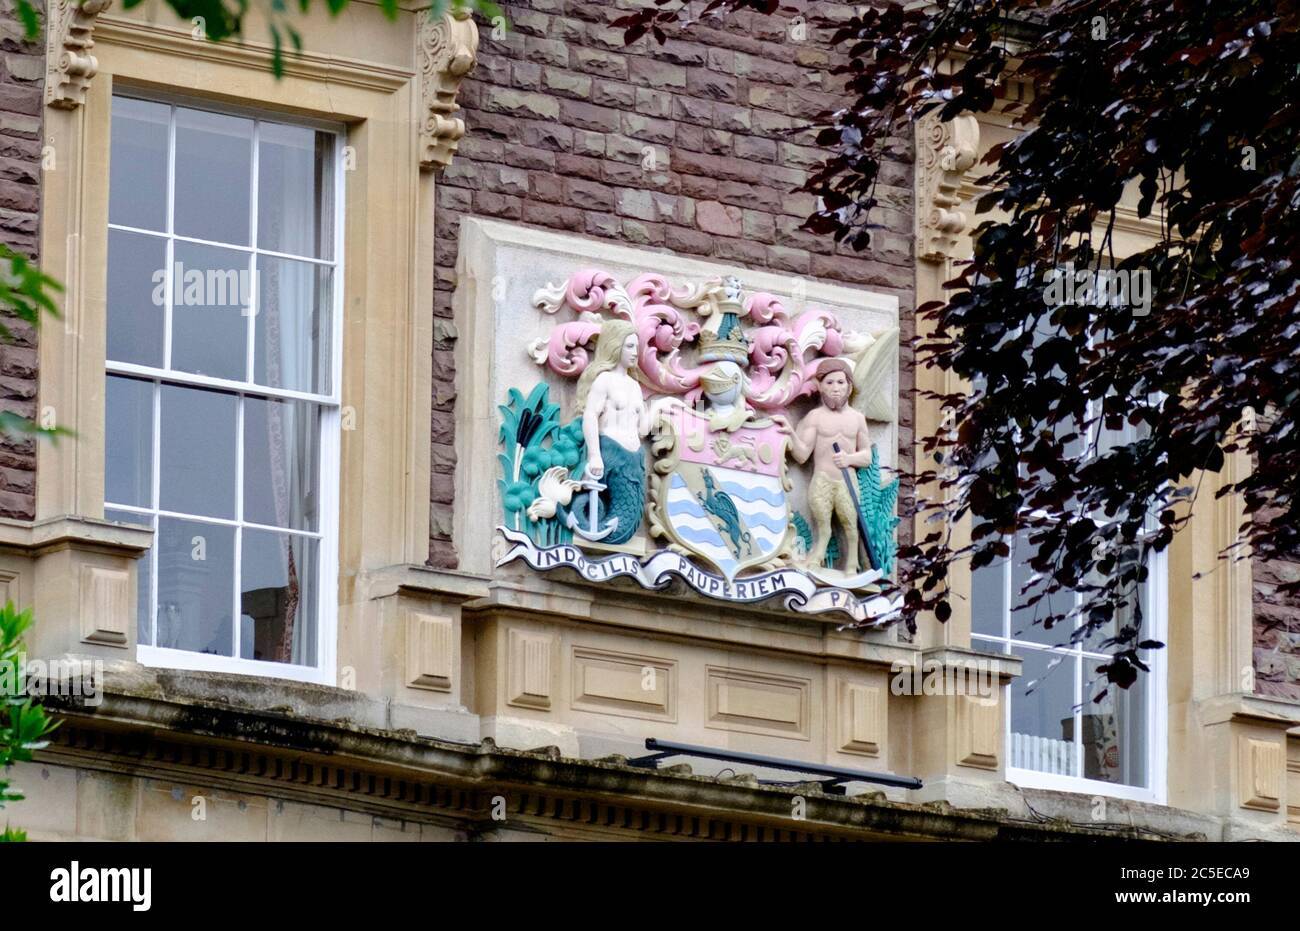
(728, 342)
(731, 348)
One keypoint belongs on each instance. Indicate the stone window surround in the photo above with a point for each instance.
(324, 402)
(398, 107)
(1208, 600)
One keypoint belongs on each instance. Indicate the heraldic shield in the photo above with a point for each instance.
(721, 496)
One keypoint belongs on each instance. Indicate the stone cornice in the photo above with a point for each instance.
(257, 56)
(152, 727)
(1006, 667)
(447, 584)
(670, 614)
(445, 52)
(1261, 710)
(35, 538)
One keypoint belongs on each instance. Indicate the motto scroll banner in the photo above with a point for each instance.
(801, 593)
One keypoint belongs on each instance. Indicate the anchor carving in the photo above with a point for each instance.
(593, 530)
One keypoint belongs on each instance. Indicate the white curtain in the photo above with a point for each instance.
(291, 292)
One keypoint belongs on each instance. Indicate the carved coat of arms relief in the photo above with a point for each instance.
(713, 437)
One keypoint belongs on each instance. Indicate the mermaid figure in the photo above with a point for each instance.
(614, 419)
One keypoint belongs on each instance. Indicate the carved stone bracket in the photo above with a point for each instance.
(446, 52)
(68, 41)
(944, 152)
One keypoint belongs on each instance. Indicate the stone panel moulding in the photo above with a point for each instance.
(655, 422)
(709, 378)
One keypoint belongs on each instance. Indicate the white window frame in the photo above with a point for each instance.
(1157, 706)
(327, 534)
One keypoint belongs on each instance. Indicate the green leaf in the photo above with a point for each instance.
(12, 424)
(30, 20)
(489, 11)
(25, 290)
(277, 53)
(23, 724)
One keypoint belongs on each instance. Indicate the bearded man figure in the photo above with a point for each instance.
(832, 423)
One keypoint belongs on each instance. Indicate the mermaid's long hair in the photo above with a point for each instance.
(609, 346)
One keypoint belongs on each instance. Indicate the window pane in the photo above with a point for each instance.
(214, 176)
(292, 327)
(989, 599)
(294, 190)
(1114, 729)
(1135, 614)
(1108, 440)
(128, 442)
(1042, 713)
(278, 584)
(143, 569)
(988, 646)
(1026, 621)
(201, 309)
(210, 294)
(198, 452)
(137, 193)
(281, 463)
(196, 581)
(128, 517)
(136, 294)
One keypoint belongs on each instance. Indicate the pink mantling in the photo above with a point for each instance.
(780, 366)
(783, 353)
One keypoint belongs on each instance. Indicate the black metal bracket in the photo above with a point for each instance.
(833, 785)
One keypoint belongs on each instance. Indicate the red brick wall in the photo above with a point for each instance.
(22, 71)
(560, 116)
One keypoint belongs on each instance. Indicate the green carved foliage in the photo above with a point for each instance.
(533, 440)
(805, 532)
(876, 504)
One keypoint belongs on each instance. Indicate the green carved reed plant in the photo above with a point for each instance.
(534, 440)
(876, 503)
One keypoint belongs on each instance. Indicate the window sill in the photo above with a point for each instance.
(164, 658)
(42, 536)
(1031, 779)
(1266, 710)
